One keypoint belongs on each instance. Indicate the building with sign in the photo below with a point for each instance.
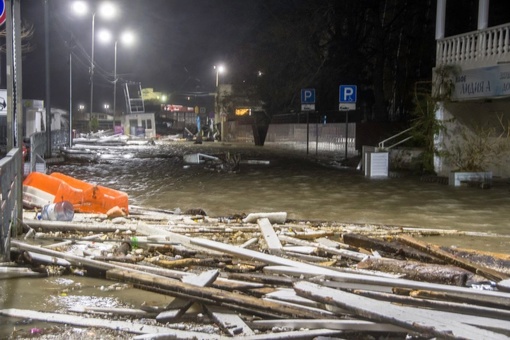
(477, 108)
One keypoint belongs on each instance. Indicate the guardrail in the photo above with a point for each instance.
(59, 138)
(11, 209)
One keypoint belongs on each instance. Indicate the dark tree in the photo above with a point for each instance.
(383, 46)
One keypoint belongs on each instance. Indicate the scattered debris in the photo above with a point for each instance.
(263, 277)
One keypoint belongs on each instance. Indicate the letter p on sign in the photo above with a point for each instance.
(347, 94)
(308, 96)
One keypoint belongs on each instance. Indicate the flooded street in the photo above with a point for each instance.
(307, 190)
(303, 188)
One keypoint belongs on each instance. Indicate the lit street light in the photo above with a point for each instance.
(106, 10)
(219, 69)
(126, 38)
(217, 115)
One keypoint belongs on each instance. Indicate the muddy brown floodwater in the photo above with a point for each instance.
(306, 189)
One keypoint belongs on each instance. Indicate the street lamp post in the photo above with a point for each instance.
(218, 117)
(92, 70)
(71, 99)
(115, 86)
(127, 38)
(107, 10)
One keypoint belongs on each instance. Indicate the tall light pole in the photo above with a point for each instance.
(107, 10)
(70, 98)
(126, 38)
(92, 70)
(115, 85)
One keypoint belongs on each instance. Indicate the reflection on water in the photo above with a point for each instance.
(58, 294)
(304, 189)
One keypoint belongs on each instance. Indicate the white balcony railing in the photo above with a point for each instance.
(480, 48)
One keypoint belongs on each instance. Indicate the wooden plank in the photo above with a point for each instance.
(460, 307)
(344, 325)
(307, 334)
(49, 260)
(127, 326)
(289, 267)
(174, 237)
(301, 249)
(274, 245)
(139, 313)
(461, 298)
(342, 252)
(179, 306)
(273, 217)
(331, 244)
(73, 226)
(491, 274)
(289, 295)
(485, 295)
(261, 278)
(414, 270)
(389, 246)
(426, 322)
(304, 257)
(208, 294)
(249, 242)
(228, 321)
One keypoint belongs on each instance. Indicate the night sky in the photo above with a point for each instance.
(177, 44)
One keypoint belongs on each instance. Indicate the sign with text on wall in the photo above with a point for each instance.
(483, 82)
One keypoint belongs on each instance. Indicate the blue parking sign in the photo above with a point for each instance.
(348, 93)
(308, 96)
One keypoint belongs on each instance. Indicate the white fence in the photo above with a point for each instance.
(479, 48)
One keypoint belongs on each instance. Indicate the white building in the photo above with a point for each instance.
(480, 101)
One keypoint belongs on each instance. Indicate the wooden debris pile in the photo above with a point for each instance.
(263, 277)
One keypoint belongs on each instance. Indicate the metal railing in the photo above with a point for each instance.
(59, 138)
(488, 45)
(10, 200)
(381, 144)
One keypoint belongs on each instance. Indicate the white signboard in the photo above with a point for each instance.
(347, 106)
(307, 107)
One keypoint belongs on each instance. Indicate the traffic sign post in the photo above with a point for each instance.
(347, 101)
(307, 104)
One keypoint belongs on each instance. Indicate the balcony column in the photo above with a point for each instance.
(440, 18)
(483, 14)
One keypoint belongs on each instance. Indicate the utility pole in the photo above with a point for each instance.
(47, 67)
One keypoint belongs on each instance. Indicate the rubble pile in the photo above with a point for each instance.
(262, 276)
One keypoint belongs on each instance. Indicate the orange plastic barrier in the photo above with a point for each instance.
(40, 189)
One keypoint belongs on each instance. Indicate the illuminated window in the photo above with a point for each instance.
(243, 112)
